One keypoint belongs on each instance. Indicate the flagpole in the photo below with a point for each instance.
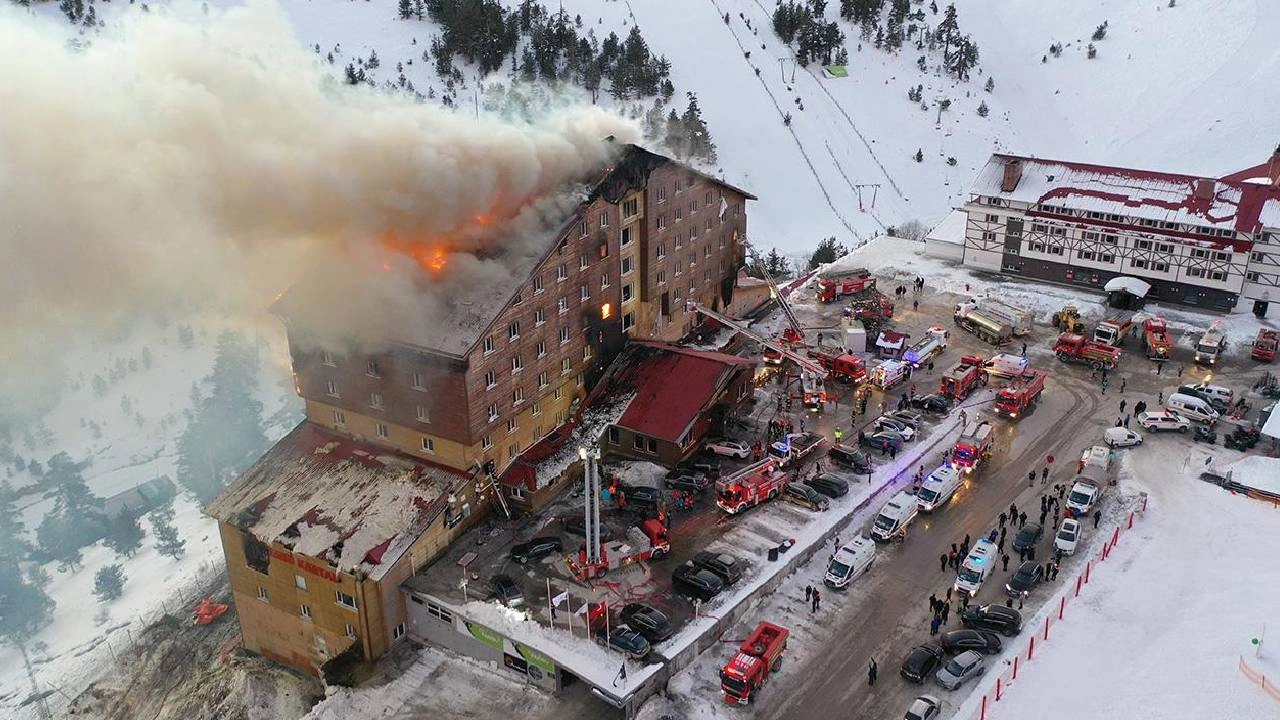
(551, 613)
(605, 604)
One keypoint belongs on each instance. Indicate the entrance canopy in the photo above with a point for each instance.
(1131, 285)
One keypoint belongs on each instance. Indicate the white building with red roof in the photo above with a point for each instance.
(1196, 240)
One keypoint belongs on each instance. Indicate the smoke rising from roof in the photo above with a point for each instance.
(178, 159)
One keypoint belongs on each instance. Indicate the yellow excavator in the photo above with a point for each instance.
(1068, 320)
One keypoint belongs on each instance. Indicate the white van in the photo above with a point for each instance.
(977, 566)
(1192, 408)
(937, 489)
(850, 561)
(1096, 456)
(892, 521)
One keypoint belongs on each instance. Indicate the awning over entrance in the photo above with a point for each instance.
(1131, 285)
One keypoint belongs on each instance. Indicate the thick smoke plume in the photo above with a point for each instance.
(178, 157)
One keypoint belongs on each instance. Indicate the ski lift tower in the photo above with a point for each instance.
(591, 473)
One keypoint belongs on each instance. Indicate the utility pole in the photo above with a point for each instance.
(782, 69)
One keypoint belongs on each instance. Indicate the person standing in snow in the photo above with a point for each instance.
(817, 600)
(1044, 475)
(1022, 519)
(946, 612)
(1005, 560)
(1097, 518)
(942, 561)
(808, 593)
(871, 672)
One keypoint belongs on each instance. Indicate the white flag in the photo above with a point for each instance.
(582, 610)
(560, 598)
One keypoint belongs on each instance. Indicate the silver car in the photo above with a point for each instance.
(926, 707)
(961, 668)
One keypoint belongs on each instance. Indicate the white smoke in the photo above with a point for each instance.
(179, 158)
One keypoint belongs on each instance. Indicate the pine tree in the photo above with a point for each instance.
(373, 63)
(1100, 32)
(919, 156)
(406, 9)
(948, 30)
(695, 128)
(24, 605)
(828, 251)
(167, 542)
(124, 534)
(13, 543)
(983, 110)
(108, 583)
(676, 139)
(991, 84)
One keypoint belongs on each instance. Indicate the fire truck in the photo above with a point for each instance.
(1020, 394)
(841, 365)
(796, 446)
(1211, 345)
(1264, 345)
(748, 670)
(1021, 322)
(836, 284)
(962, 379)
(1155, 339)
(1076, 348)
(874, 306)
(923, 352)
(750, 486)
(1114, 330)
(973, 447)
(648, 541)
(987, 326)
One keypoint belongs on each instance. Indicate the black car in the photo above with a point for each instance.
(984, 641)
(857, 460)
(1028, 537)
(1004, 620)
(882, 440)
(922, 662)
(687, 480)
(829, 485)
(708, 464)
(650, 622)
(506, 590)
(624, 640)
(641, 497)
(535, 549)
(933, 403)
(577, 525)
(695, 583)
(724, 566)
(1029, 575)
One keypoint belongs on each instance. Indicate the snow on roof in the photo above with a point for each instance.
(1271, 428)
(891, 340)
(950, 230)
(1256, 471)
(356, 506)
(1131, 285)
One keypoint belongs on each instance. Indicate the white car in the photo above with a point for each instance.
(1121, 437)
(1163, 420)
(1068, 536)
(901, 427)
(925, 707)
(733, 448)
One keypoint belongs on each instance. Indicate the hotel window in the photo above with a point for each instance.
(398, 632)
(428, 444)
(707, 227)
(339, 418)
(517, 364)
(662, 277)
(583, 261)
(1160, 267)
(1089, 236)
(604, 281)
(1084, 255)
(1040, 228)
(626, 292)
(564, 335)
(419, 381)
(706, 200)
(614, 438)
(580, 380)
(1148, 222)
(372, 370)
(1161, 247)
(511, 425)
(562, 272)
(586, 352)
(351, 631)
(988, 236)
(721, 242)
(488, 345)
(679, 213)
(661, 251)
(300, 582)
(565, 366)
(626, 237)
(662, 221)
(1195, 272)
(380, 429)
(582, 229)
(519, 298)
(513, 450)
(262, 594)
(1251, 277)
(1107, 258)
(628, 321)
(536, 409)
(375, 400)
(1142, 244)
(345, 600)
(993, 218)
(630, 207)
(326, 358)
(1139, 264)
(542, 348)
(562, 305)
(492, 413)
(693, 233)
(517, 396)
(604, 219)
(490, 379)
(486, 442)
(422, 414)
(542, 380)
(706, 252)
(626, 266)
(662, 193)
(539, 316)
(1256, 257)
(537, 284)
(1110, 239)
(584, 293)
(332, 387)
(1222, 256)
(513, 330)
(1199, 253)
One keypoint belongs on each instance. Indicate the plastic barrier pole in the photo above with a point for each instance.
(1031, 649)
(1144, 503)
(1047, 622)
(1016, 658)
(983, 716)
(1115, 536)
(1078, 584)
(1130, 521)
(1062, 605)
(998, 688)
(1087, 565)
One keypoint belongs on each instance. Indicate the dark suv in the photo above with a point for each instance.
(686, 479)
(1004, 620)
(650, 622)
(724, 566)
(708, 464)
(829, 485)
(695, 583)
(640, 497)
(858, 460)
(535, 549)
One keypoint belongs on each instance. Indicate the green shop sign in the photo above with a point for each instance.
(535, 658)
(485, 635)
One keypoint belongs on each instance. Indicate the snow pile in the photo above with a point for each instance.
(1255, 471)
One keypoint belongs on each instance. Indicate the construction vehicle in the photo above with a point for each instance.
(1155, 339)
(1021, 322)
(1076, 348)
(1020, 394)
(1114, 330)
(750, 486)
(208, 611)
(648, 541)
(833, 285)
(1068, 320)
(759, 656)
(1211, 346)
(924, 351)
(963, 378)
(889, 373)
(795, 447)
(1264, 345)
(973, 447)
(989, 328)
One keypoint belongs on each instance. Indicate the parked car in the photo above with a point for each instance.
(704, 463)
(723, 565)
(882, 440)
(624, 640)
(650, 622)
(986, 642)
(925, 707)
(1004, 620)
(961, 668)
(829, 485)
(1217, 396)
(1121, 437)
(884, 422)
(914, 419)
(536, 549)
(1067, 537)
(505, 590)
(687, 480)
(1156, 420)
(1028, 537)
(577, 525)
(1028, 576)
(732, 448)
(695, 583)
(857, 460)
(805, 496)
(641, 497)
(933, 403)
(921, 662)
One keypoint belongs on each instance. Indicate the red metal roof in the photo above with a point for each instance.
(672, 386)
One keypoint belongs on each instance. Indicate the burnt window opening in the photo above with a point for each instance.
(256, 554)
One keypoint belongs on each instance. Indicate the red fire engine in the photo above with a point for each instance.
(973, 447)
(759, 656)
(1155, 339)
(1264, 345)
(750, 486)
(836, 284)
(1021, 393)
(962, 379)
(1075, 348)
(841, 365)
(647, 542)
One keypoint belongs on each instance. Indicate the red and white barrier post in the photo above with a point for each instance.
(1016, 658)
(1062, 604)
(1031, 649)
